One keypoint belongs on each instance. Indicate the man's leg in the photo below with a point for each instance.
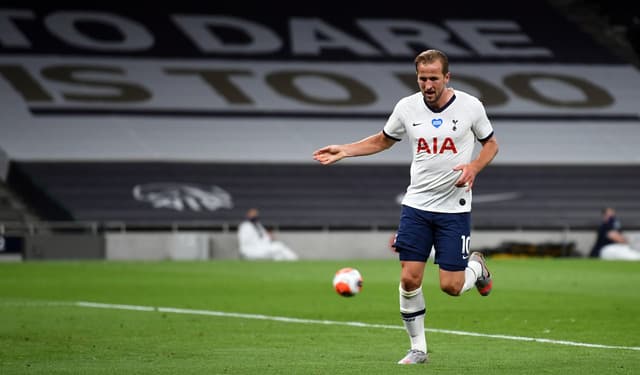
(475, 274)
(413, 310)
(459, 270)
(619, 251)
(280, 251)
(413, 243)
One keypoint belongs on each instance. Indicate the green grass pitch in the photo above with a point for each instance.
(236, 317)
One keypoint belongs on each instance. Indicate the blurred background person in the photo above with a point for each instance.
(610, 243)
(257, 243)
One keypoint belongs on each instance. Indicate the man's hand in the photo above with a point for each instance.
(471, 170)
(330, 154)
(468, 175)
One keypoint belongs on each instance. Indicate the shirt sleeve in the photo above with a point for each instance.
(481, 127)
(394, 128)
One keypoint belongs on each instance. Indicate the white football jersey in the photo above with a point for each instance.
(439, 141)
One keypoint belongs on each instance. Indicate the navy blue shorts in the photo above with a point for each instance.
(448, 233)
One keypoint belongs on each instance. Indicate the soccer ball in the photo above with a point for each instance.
(347, 282)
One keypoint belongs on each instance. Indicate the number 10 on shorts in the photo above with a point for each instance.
(466, 244)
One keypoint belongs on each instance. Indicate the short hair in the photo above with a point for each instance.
(431, 55)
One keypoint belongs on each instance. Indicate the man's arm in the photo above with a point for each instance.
(616, 236)
(367, 146)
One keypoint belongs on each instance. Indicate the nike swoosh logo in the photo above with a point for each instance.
(417, 123)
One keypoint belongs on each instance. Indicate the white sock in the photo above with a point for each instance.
(412, 309)
(471, 274)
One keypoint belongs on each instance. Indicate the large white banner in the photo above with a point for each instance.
(277, 90)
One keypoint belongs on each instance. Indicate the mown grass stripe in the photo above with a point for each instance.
(283, 319)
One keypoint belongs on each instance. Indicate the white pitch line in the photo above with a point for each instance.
(114, 306)
(334, 322)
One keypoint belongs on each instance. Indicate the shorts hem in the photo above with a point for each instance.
(452, 267)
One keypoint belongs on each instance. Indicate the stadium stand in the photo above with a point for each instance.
(612, 24)
(13, 209)
(299, 196)
(10, 208)
(189, 116)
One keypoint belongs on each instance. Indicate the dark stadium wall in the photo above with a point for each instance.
(305, 196)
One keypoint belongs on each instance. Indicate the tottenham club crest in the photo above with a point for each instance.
(180, 196)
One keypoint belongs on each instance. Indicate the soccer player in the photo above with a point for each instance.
(442, 125)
